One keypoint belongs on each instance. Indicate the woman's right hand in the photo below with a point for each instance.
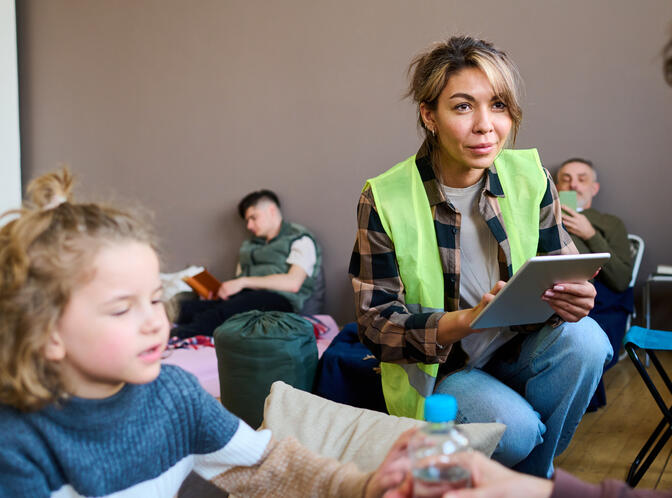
(491, 479)
(454, 325)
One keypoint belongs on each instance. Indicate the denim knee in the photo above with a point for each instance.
(524, 431)
(587, 343)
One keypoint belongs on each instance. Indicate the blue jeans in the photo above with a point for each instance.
(541, 396)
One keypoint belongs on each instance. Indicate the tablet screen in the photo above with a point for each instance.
(520, 303)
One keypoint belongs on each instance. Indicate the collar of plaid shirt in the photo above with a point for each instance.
(435, 195)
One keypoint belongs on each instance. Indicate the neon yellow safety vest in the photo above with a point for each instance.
(406, 216)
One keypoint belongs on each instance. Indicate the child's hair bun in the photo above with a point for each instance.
(51, 190)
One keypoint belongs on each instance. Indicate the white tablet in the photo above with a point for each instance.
(519, 302)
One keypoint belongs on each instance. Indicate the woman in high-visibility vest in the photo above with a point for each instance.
(440, 232)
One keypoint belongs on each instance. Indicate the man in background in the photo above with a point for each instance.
(276, 271)
(593, 231)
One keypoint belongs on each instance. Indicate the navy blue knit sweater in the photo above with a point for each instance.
(142, 442)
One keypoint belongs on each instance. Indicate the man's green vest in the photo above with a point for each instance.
(406, 216)
(259, 257)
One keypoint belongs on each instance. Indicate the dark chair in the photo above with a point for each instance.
(650, 341)
(614, 312)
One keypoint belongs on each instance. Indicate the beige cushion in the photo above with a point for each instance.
(350, 434)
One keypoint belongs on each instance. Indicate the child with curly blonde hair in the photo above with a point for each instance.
(86, 408)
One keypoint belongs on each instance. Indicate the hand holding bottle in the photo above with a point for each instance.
(433, 447)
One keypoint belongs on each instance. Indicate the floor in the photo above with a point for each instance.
(607, 441)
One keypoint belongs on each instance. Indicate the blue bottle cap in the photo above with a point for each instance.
(440, 408)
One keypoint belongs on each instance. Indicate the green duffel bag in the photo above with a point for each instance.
(256, 348)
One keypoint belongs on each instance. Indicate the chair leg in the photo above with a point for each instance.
(667, 413)
(639, 468)
(661, 370)
(663, 431)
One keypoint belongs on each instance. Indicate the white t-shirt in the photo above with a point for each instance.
(479, 270)
(302, 253)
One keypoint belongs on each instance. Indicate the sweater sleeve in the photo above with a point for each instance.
(218, 440)
(289, 469)
(26, 468)
(245, 462)
(19, 475)
(612, 237)
(568, 486)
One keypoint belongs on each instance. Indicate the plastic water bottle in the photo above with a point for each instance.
(432, 446)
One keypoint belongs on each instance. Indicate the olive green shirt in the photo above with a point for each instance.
(612, 237)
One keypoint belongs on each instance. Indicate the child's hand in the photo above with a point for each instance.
(392, 478)
(404, 490)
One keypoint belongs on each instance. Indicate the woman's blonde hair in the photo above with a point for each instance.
(430, 71)
(45, 252)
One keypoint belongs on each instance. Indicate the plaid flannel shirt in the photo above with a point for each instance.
(386, 327)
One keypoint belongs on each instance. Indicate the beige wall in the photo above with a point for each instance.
(187, 106)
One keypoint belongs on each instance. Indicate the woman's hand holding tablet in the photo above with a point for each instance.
(533, 294)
